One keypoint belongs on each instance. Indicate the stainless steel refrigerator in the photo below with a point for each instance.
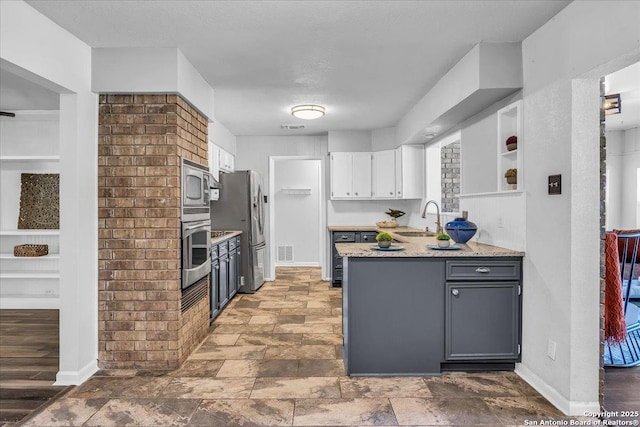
(240, 206)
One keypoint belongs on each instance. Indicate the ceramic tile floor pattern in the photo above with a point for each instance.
(274, 358)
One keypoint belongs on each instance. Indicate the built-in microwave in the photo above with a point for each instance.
(196, 191)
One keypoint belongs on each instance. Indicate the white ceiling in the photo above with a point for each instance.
(626, 82)
(368, 62)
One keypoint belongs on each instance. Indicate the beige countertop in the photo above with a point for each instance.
(416, 246)
(231, 233)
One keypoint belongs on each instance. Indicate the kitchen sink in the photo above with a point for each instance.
(416, 233)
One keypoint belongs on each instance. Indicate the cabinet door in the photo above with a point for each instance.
(482, 321)
(223, 283)
(341, 176)
(384, 174)
(361, 170)
(213, 291)
(214, 160)
(238, 264)
(233, 273)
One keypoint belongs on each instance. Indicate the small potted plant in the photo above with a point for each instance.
(512, 143)
(394, 214)
(384, 239)
(512, 176)
(443, 240)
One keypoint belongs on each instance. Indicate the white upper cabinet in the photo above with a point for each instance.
(350, 176)
(384, 174)
(410, 172)
(227, 161)
(214, 160)
(388, 174)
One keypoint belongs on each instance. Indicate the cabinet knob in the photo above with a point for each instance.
(355, 194)
(348, 194)
(483, 270)
(344, 237)
(455, 292)
(391, 193)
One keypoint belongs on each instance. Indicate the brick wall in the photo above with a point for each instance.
(450, 177)
(141, 140)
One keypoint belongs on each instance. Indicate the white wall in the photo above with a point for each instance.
(35, 48)
(383, 139)
(222, 137)
(253, 152)
(349, 140)
(561, 134)
(150, 70)
(623, 162)
(298, 214)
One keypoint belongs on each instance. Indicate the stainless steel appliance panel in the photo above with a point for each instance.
(241, 207)
(196, 241)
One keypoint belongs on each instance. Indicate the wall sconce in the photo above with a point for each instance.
(612, 104)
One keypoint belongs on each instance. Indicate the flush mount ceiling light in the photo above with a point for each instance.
(612, 104)
(307, 111)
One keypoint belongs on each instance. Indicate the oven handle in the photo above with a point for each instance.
(188, 228)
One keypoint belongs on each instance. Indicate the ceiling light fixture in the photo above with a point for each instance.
(612, 104)
(307, 111)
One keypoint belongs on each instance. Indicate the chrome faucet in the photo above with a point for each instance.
(424, 213)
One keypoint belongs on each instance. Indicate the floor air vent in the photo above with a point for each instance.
(194, 293)
(285, 253)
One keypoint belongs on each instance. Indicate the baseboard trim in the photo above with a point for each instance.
(76, 377)
(568, 407)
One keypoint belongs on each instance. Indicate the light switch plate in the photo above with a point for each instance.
(555, 184)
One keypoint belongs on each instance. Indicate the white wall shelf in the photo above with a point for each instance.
(509, 124)
(30, 275)
(31, 232)
(492, 193)
(28, 258)
(36, 302)
(29, 158)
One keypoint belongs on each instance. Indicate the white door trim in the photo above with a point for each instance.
(323, 211)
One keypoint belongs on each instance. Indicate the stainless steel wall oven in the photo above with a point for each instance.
(196, 223)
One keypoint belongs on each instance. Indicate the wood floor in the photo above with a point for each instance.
(28, 362)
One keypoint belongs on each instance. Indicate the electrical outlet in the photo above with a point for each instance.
(551, 349)
(499, 222)
(48, 291)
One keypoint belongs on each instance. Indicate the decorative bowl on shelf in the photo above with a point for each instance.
(461, 230)
(387, 224)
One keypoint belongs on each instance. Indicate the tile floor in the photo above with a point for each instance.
(274, 359)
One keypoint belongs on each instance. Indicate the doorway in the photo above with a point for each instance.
(622, 199)
(297, 217)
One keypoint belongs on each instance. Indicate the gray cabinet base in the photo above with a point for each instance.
(393, 316)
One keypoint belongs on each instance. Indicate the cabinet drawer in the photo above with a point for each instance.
(232, 243)
(337, 261)
(223, 248)
(349, 236)
(483, 270)
(368, 236)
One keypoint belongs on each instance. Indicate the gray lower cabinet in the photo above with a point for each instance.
(482, 309)
(346, 237)
(214, 287)
(226, 269)
(393, 316)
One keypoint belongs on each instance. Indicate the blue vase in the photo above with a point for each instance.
(461, 230)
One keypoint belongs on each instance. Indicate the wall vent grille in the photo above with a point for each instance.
(285, 253)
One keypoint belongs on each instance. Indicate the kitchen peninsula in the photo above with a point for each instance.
(420, 311)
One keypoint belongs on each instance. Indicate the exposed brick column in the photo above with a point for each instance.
(141, 140)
